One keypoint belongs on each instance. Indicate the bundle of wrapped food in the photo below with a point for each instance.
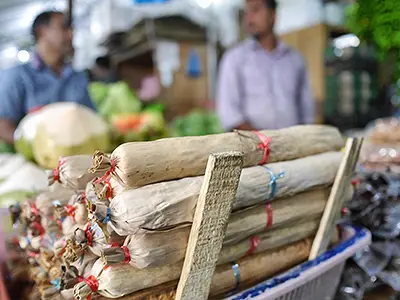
(122, 226)
(381, 150)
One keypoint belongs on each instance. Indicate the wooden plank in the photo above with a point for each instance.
(209, 225)
(336, 198)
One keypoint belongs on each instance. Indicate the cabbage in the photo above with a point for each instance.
(25, 134)
(120, 99)
(67, 129)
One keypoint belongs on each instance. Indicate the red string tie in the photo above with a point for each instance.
(70, 209)
(127, 254)
(93, 283)
(264, 145)
(254, 242)
(56, 171)
(270, 215)
(34, 209)
(108, 173)
(107, 183)
(89, 235)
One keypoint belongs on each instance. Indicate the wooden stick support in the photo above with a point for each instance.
(336, 198)
(209, 225)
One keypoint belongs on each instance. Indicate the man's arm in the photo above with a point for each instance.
(7, 129)
(228, 95)
(11, 103)
(306, 101)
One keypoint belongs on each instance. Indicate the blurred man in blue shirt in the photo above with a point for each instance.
(46, 79)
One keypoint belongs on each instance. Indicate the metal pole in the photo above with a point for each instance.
(69, 13)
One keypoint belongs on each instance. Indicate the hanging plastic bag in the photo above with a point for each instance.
(193, 67)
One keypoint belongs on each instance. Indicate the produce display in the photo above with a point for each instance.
(118, 224)
(129, 118)
(198, 122)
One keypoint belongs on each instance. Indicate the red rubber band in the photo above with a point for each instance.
(39, 227)
(270, 215)
(254, 242)
(89, 235)
(93, 283)
(56, 171)
(265, 141)
(356, 182)
(127, 254)
(70, 209)
(83, 198)
(34, 209)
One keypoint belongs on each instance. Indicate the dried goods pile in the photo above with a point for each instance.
(119, 224)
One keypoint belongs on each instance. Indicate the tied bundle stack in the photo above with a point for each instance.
(59, 237)
(148, 193)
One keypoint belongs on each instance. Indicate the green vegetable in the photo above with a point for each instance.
(120, 99)
(198, 122)
(98, 91)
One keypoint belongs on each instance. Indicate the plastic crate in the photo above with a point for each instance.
(313, 280)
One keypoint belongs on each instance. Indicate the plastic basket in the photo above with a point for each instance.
(313, 280)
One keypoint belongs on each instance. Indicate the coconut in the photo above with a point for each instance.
(25, 134)
(67, 129)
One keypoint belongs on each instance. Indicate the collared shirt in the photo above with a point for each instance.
(269, 90)
(26, 87)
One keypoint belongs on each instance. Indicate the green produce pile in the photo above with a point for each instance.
(129, 118)
(198, 122)
(377, 22)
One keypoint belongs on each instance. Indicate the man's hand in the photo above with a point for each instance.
(245, 126)
(7, 129)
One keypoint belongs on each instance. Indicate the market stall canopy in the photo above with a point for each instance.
(142, 37)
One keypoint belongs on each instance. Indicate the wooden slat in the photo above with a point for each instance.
(209, 225)
(336, 198)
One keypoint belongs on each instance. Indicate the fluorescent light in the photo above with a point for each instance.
(204, 3)
(345, 41)
(23, 56)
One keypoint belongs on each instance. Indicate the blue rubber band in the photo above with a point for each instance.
(56, 203)
(273, 183)
(57, 283)
(108, 216)
(236, 273)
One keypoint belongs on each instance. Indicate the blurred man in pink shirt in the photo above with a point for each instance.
(263, 83)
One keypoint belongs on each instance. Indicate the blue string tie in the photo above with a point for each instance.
(108, 216)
